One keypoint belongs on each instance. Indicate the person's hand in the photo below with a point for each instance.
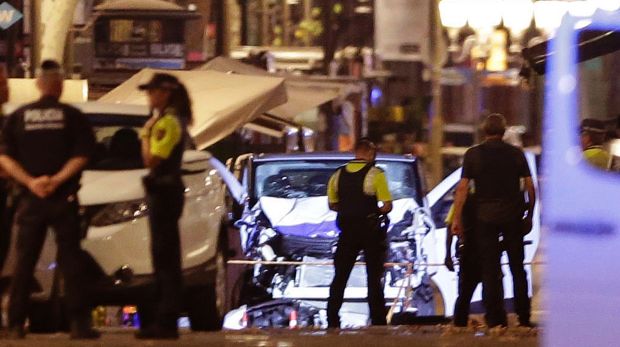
(52, 185)
(39, 186)
(457, 228)
(449, 263)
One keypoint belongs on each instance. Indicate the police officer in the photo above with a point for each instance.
(470, 274)
(45, 146)
(497, 170)
(593, 134)
(164, 138)
(355, 191)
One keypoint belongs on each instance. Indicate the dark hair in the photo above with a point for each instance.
(494, 125)
(48, 65)
(182, 103)
(364, 144)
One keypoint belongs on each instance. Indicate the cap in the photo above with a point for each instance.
(161, 81)
(593, 125)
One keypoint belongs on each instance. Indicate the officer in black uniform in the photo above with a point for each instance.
(45, 146)
(470, 273)
(355, 191)
(164, 138)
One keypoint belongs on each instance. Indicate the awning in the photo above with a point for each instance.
(143, 8)
(591, 44)
(304, 93)
(222, 102)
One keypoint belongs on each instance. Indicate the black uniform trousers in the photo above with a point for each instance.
(6, 222)
(470, 275)
(165, 202)
(33, 218)
(359, 235)
(490, 253)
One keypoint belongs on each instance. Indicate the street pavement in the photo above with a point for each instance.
(403, 336)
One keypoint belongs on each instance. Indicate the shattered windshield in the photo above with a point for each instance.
(294, 179)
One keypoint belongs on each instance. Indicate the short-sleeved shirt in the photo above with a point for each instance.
(375, 182)
(597, 156)
(496, 168)
(44, 135)
(165, 135)
(167, 142)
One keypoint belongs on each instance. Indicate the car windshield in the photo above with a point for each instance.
(292, 179)
(118, 142)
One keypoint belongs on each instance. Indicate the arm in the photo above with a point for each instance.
(71, 168)
(448, 261)
(332, 191)
(15, 170)
(383, 193)
(459, 202)
(159, 138)
(150, 161)
(38, 186)
(531, 196)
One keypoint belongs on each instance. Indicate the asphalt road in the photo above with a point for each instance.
(409, 336)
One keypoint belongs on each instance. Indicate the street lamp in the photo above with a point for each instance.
(548, 15)
(454, 17)
(517, 16)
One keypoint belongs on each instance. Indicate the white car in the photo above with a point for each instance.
(286, 218)
(116, 230)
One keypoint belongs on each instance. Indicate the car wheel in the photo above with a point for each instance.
(428, 299)
(206, 304)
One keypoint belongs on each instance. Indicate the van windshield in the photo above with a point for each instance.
(293, 179)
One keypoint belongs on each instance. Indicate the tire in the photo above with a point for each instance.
(206, 304)
(430, 303)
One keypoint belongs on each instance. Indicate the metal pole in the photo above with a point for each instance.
(436, 121)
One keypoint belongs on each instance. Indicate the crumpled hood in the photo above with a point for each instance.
(311, 217)
(104, 187)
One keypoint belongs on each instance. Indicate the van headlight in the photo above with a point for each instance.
(120, 212)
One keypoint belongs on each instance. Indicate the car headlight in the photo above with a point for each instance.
(120, 212)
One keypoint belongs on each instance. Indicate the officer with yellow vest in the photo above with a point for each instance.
(355, 191)
(593, 134)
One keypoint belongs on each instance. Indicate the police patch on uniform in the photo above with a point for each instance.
(44, 119)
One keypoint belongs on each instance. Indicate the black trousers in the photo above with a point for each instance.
(490, 252)
(359, 236)
(487, 241)
(515, 249)
(33, 218)
(6, 222)
(470, 275)
(165, 208)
